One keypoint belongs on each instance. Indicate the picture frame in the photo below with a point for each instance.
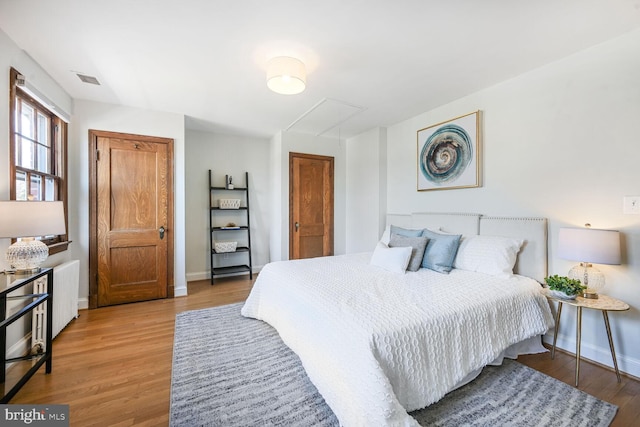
(448, 154)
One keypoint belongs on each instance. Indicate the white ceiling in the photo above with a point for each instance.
(206, 58)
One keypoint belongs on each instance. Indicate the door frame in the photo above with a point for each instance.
(93, 207)
(331, 161)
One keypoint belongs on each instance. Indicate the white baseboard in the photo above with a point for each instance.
(19, 349)
(193, 277)
(180, 292)
(601, 355)
(206, 275)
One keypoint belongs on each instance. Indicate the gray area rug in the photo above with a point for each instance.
(232, 371)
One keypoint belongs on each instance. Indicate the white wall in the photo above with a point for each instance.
(89, 115)
(560, 142)
(276, 244)
(366, 204)
(12, 56)
(283, 144)
(224, 155)
(114, 118)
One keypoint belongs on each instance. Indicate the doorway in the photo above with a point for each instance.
(130, 218)
(311, 197)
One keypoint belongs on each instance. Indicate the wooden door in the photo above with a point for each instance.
(310, 206)
(131, 218)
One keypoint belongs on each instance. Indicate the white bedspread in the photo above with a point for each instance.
(378, 344)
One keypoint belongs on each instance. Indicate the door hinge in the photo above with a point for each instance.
(97, 155)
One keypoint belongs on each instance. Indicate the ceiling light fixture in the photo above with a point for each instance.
(286, 75)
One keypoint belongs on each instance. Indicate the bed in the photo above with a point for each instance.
(379, 342)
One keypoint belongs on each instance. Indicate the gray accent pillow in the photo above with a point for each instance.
(440, 251)
(405, 231)
(418, 245)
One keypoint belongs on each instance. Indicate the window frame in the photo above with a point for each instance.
(58, 157)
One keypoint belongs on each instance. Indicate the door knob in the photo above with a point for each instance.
(297, 225)
(161, 230)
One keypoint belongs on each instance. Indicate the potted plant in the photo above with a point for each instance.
(563, 287)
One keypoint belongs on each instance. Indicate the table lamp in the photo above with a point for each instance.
(589, 245)
(26, 220)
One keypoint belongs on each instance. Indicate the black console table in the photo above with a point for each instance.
(12, 288)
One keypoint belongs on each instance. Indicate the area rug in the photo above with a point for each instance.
(232, 371)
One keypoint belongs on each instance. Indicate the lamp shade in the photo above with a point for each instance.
(286, 75)
(31, 219)
(589, 245)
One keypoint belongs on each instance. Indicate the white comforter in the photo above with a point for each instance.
(378, 344)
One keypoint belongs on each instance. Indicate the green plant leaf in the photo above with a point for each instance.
(564, 284)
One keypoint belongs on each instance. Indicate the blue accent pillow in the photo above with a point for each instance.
(417, 244)
(405, 231)
(440, 251)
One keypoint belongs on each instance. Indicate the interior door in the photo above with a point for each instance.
(310, 205)
(132, 218)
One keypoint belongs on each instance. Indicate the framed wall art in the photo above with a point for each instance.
(449, 154)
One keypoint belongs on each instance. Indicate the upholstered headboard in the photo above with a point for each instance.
(532, 259)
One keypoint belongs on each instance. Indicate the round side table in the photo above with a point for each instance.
(603, 303)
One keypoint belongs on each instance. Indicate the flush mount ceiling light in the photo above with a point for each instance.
(286, 75)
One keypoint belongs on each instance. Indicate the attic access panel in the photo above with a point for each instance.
(324, 116)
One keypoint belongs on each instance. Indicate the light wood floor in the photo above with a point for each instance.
(113, 365)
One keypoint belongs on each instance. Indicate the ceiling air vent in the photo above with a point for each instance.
(88, 79)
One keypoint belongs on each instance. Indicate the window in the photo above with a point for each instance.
(38, 153)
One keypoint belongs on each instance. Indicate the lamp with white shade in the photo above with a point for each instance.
(589, 246)
(26, 220)
(286, 75)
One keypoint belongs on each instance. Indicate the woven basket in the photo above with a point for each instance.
(229, 203)
(222, 247)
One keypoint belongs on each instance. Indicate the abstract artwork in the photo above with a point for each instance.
(448, 154)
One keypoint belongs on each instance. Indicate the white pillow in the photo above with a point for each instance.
(386, 235)
(492, 255)
(391, 259)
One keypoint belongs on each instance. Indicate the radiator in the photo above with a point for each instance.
(65, 302)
